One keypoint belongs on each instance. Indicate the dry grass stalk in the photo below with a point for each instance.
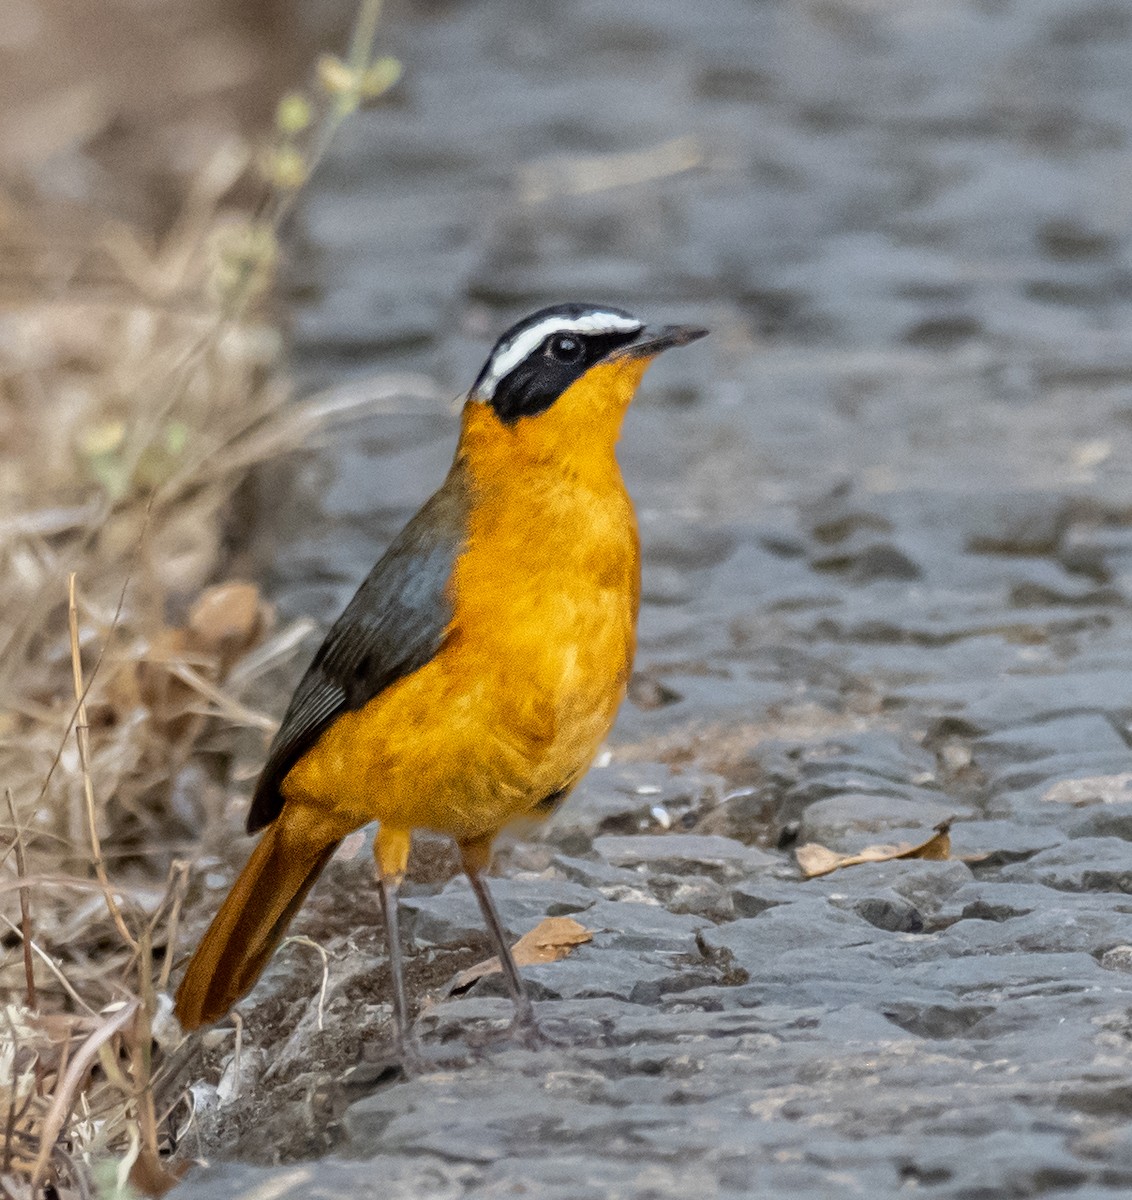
(25, 903)
(132, 407)
(82, 737)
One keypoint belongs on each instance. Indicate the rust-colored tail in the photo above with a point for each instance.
(250, 924)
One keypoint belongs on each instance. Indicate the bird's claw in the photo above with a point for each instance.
(526, 1030)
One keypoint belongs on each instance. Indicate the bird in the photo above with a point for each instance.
(477, 670)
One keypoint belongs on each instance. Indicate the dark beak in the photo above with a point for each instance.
(654, 339)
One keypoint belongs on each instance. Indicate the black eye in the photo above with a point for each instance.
(565, 347)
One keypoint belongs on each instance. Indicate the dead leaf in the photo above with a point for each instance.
(550, 940)
(227, 618)
(815, 859)
(165, 696)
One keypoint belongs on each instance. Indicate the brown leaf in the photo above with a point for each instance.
(551, 939)
(123, 689)
(164, 695)
(815, 859)
(226, 618)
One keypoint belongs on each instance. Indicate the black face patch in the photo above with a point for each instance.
(578, 336)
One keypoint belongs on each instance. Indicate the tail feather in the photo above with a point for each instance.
(250, 924)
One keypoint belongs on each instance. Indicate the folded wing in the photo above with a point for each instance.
(393, 626)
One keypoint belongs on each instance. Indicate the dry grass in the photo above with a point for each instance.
(139, 384)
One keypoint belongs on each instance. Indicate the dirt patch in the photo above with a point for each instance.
(318, 1034)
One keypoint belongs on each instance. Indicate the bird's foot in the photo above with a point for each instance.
(526, 1030)
(410, 1059)
(401, 1060)
(386, 1064)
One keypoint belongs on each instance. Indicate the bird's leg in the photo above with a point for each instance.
(391, 850)
(476, 856)
(388, 892)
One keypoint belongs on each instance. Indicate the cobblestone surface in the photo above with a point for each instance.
(887, 522)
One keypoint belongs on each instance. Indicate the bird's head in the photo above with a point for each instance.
(566, 374)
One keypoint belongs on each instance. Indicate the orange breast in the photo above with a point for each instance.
(534, 664)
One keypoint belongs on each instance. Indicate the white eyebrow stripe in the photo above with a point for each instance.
(508, 357)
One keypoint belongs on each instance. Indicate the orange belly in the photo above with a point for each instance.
(525, 687)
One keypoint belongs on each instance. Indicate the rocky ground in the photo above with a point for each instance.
(887, 522)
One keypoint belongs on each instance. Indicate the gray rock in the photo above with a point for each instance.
(1093, 930)
(1080, 865)
(641, 977)
(891, 912)
(1111, 820)
(994, 900)
(389, 1176)
(752, 897)
(697, 895)
(1049, 777)
(596, 873)
(684, 854)
(876, 753)
(1084, 733)
(812, 924)
(871, 562)
(1118, 958)
(1009, 974)
(1019, 523)
(993, 843)
(1087, 689)
(625, 799)
(626, 926)
(453, 917)
(927, 885)
(365, 317)
(850, 822)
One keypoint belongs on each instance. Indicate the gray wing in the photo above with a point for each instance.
(393, 626)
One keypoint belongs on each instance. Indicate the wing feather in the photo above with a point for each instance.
(393, 626)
